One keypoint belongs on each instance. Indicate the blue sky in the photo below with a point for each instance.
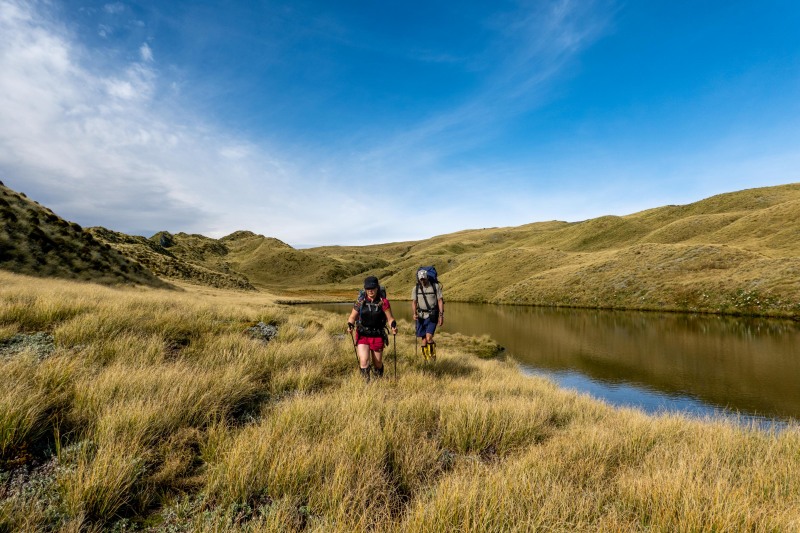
(361, 122)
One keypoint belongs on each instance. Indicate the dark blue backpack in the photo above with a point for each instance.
(431, 270)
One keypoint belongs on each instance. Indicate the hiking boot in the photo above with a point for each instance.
(432, 351)
(378, 372)
(425, 352)
(365, 374)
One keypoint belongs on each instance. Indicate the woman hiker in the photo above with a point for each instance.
(370, 314)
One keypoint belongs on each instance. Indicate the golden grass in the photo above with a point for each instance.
(162, 412)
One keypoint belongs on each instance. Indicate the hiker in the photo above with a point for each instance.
(369, 317)
(427, 306)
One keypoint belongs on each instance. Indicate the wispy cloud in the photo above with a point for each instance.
(533, 46)
(146, 52)
(112, 148)
(123, 146)
(114, 8)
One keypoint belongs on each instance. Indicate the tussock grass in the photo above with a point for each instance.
(102, 481)
(34, 395)
(31, 312)
(158, 410)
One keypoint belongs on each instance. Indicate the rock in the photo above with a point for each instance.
(40, 343)
(163, 239)
(264, 332)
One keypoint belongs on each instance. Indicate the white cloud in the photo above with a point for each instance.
(114, 8)
(126, 148)
(235, 152)
(100, 148)
(146, 52)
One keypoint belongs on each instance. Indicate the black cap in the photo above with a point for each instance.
(371, 282)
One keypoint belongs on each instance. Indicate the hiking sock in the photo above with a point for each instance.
(378, 372)
(432, 350)
(425, 351)
(365, 374)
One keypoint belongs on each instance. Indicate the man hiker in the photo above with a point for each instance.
(427, 306)
(369, 317)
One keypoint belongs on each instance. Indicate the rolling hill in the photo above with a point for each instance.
(734, 253)
(36, 241)
(193, 258)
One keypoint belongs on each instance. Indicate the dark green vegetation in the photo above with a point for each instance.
(192, 258)
(735, 253)
(36, 241)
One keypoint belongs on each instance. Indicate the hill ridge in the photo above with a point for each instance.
(736, 252)
(36, 241)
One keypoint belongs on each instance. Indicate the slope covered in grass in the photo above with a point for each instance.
(732, 253)
(273, 263)
(193, 258)
(36, 241)
(160, 411)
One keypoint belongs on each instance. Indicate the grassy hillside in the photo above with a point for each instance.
(270, 262)
(732, 253)
(184, 257)
(36, 241)
(242, 260)
(148, 410)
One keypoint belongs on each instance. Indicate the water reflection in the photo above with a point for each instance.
(695, 363)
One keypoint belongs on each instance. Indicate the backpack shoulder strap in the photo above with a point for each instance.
(428, 307)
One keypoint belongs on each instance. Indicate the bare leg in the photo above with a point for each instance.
(378, 364)
(363, 355)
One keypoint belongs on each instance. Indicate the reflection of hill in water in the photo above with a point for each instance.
(744, 364)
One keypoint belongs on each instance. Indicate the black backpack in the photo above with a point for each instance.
(362, 294)
(375, 325)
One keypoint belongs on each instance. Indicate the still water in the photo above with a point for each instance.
(698, 364)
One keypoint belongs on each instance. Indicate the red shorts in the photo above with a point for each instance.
(375, 343)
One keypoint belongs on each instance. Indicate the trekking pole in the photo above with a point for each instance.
(353, 340)
(394, 350)
(416, 342)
